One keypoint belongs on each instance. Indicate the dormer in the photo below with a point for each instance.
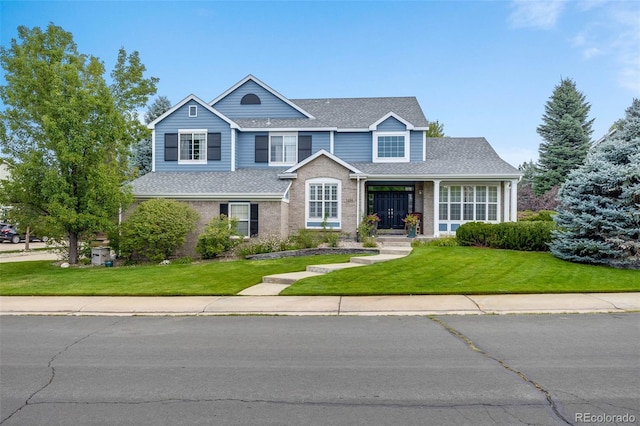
(391, 139)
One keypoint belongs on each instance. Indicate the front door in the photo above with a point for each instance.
(391, 207)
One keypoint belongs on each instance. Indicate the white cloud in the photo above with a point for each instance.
(541, 14)
(608, 30)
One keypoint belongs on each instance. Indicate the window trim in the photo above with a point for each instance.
(445, 199)
(195, 110)
(316, 222)
(203, 150)
(407, 147)
(248, 220)
(283, 135)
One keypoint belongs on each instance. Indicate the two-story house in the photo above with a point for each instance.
(279, 164)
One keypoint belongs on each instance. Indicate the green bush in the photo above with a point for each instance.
(306, 238)
(156, 229)
(524, 236)
(219, 237)
(539, 216)
(266, 244)
(474, 234)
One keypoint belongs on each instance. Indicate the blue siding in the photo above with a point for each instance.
(353, 147)
(245, 151)
(320, 140)
(245, 147)
(270, 106)
(391, 125)
(205, 120)
(416, 146)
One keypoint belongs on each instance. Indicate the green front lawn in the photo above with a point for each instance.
(470, 270)
(428, 270)
(205, 278)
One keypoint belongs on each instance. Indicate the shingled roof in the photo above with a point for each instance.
(344, 113)
(255, 183)
(459, 157)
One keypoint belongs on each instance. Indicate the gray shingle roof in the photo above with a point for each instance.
(344, 113)
(446, 157)
(242, 182)
(449, 157)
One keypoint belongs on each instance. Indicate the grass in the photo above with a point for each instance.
(428, 270)
(470, 270)
(41, 278)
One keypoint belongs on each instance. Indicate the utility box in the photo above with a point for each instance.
(99, 255)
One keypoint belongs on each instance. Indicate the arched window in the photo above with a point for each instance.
(250, 99)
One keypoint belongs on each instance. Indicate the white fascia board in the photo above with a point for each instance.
(318, 154)
(264, 86)
(448, 178)
(354, 130)
(288, 129)
(374, 126)
(199, 196)
(189, 98)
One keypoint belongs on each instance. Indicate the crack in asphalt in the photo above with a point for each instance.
(552, 404)
(53, 369)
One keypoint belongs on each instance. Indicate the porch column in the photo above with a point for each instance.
(436, 208)
(514, 201)
(505, 201)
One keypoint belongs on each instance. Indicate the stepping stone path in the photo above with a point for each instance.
(271, 285)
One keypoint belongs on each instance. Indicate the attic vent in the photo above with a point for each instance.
(250, 99)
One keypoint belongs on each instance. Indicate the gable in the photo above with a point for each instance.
(391, 124)
(253, 99)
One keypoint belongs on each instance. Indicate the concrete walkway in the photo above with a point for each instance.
(322, 305)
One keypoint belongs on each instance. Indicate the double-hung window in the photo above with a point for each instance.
(283, 148)
(193, 146)
(390, 147)
(242, 213)
(323, 203)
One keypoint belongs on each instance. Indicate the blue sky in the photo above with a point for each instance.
(482, 68)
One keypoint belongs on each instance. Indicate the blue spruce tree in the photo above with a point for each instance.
(599, 214)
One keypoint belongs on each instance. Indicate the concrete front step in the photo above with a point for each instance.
(394, 239)
(397, 250)
(264, 289)
(288, 278)
(368, 260)
(325, 269)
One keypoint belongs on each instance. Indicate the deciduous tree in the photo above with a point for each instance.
(68, 132)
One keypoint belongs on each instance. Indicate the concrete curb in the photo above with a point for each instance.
(322, 305)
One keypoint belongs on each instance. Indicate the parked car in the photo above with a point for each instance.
(10, 233)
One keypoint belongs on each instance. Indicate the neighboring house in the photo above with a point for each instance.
(279, 164)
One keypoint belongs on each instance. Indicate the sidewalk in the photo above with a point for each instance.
(322, 305)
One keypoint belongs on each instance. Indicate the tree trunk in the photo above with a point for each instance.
(26, 239)
(73, 248)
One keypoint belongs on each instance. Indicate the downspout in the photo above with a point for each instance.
(357, 201)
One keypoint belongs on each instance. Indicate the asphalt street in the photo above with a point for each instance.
(270, 370)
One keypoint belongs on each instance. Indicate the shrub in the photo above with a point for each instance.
(524, 236)
(531, 216)
(369, 242)
(156, 229)
(474, 234)
(219, 237)
(306, 239)
(266, 244)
